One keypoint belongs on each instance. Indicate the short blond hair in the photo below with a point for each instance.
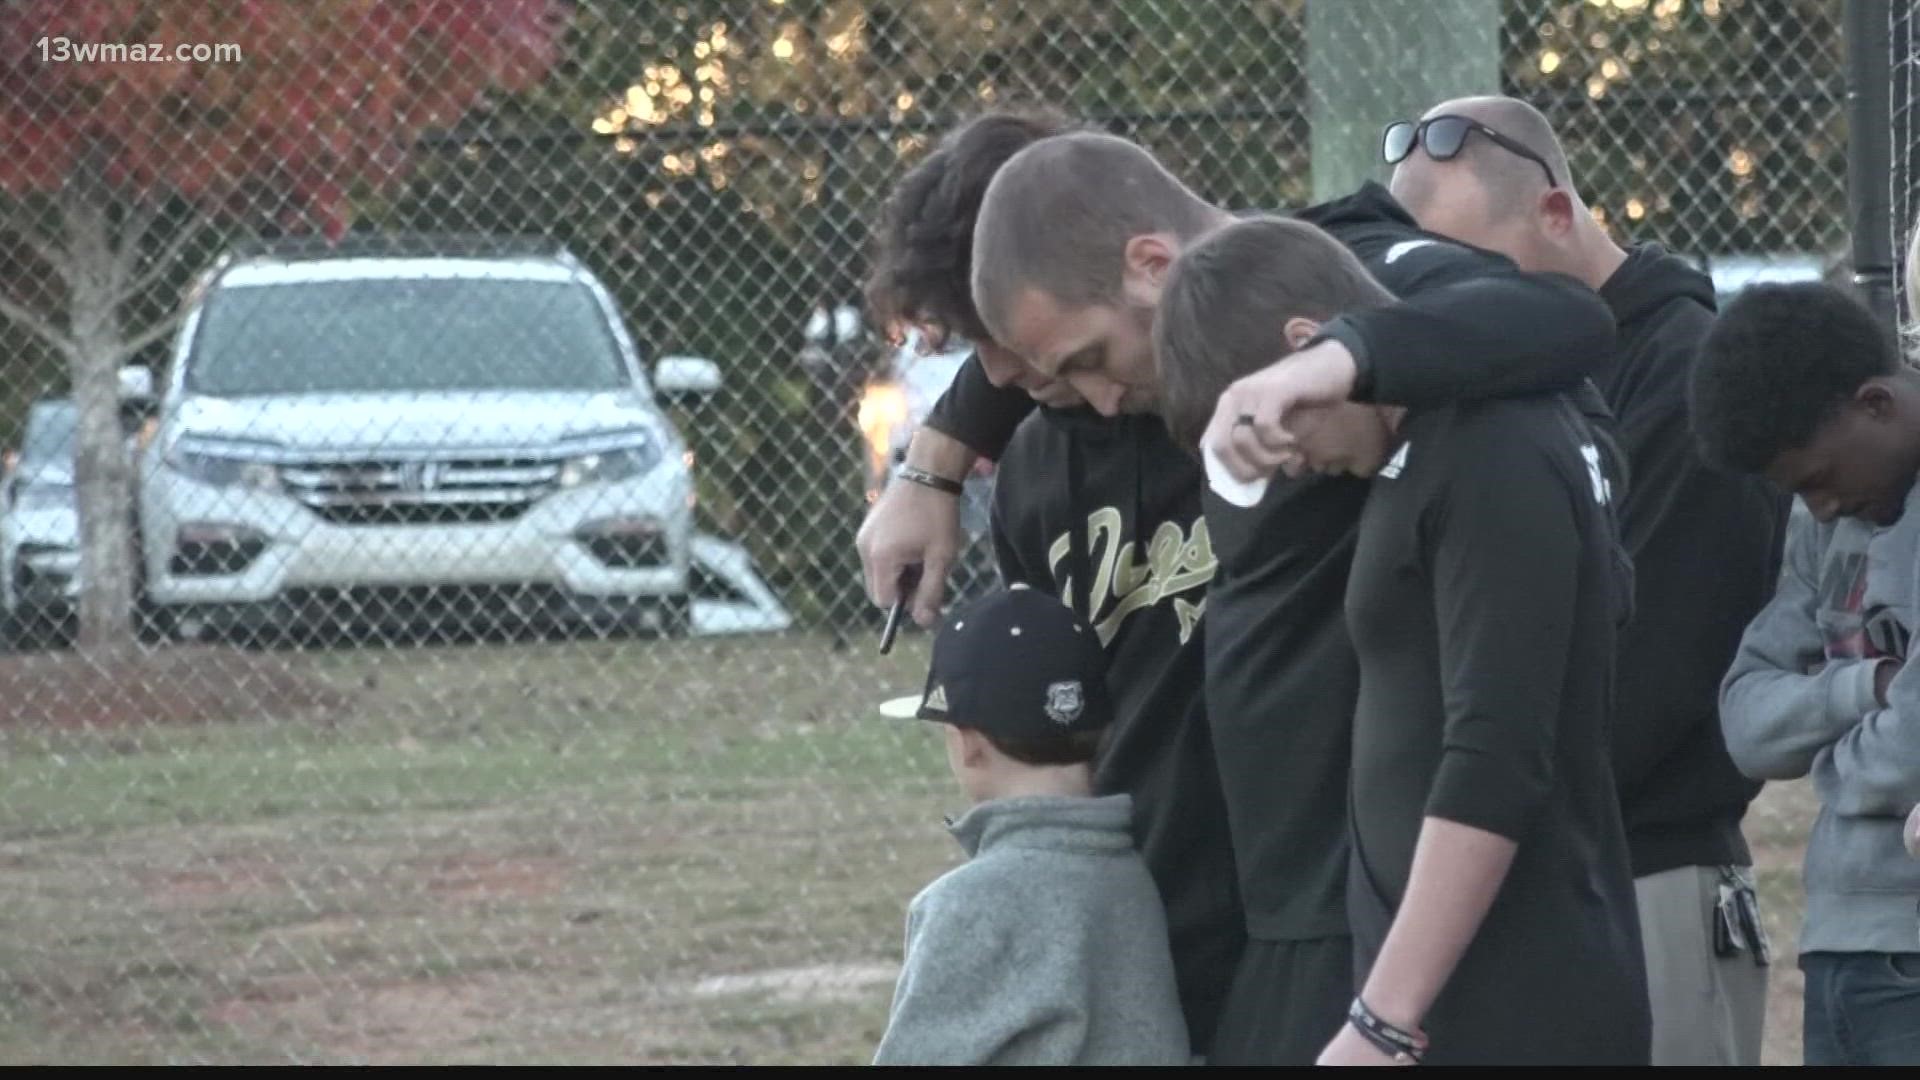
(1058, 216)
(1227, 301)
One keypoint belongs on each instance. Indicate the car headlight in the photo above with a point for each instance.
(220, 471)
(606, 466)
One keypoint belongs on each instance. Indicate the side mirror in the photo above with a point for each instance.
(137, 401)
(136, 383)
(686, 376)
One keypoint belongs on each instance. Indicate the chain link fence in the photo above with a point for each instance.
(436, 431)
(1903, 181)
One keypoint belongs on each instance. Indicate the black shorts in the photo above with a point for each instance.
(1288, 1001)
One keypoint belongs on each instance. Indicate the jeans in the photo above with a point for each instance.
(1862, 1008)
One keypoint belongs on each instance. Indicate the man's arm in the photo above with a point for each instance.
(1468, 326)
(1776, 717)
(914, 523)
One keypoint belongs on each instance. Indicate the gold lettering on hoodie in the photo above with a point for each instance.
(1177, 562)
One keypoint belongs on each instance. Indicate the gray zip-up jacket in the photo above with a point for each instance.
(1800, 699)
(1048, 947)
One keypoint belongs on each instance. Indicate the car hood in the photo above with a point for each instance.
(299, 426)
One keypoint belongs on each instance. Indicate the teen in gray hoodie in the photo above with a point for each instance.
(1799, 382)
(1049, 945)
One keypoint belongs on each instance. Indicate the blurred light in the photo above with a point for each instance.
(624, 145)
(783, 49)
(1712, 8)
(883, 407)
(1629, 5)
(904, 101)
(1596, 87)
(1549, 62)
(617, 117)
(604, 126)
(1740, 162)
(687, 459)
(1636, 209)
(700, 50)
(1610, 68)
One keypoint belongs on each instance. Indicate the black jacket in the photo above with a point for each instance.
(1706, 546)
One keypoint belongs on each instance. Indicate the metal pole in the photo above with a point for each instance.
(1869, 33)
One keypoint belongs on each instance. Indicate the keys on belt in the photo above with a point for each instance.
(1736, 919)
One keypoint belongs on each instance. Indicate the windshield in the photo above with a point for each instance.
(383, 335)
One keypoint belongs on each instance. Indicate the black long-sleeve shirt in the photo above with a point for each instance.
(1487, 584)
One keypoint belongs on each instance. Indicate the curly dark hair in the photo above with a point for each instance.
(923, 253)
(1777, 363)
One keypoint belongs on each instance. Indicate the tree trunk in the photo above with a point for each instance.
(102, 471)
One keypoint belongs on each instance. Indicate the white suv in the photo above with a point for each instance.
(375, 438)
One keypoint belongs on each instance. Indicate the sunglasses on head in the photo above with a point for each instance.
(1444, 137)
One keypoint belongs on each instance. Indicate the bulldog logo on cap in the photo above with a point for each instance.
(1065, 700)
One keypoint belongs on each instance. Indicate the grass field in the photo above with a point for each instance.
(690, 851)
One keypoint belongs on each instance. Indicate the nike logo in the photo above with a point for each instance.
(1404, 246)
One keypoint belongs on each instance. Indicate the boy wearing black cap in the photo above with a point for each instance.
(1049, 945)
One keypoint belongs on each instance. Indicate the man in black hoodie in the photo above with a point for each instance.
(1106, 510)
(1706, 546)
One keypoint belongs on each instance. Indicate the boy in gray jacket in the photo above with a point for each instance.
(1801, 383)
(1049, 945)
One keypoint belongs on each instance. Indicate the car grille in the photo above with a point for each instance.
(463, 492)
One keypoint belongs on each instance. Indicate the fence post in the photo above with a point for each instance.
(1373, 61)
(1869, 32)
